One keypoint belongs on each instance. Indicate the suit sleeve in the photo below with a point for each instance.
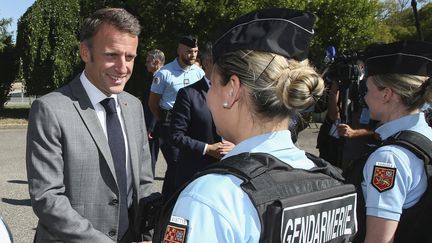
(180, 122)
(44, 160)
(145, 178)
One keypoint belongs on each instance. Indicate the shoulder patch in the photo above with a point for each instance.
(176, 230)
(383, 178)
(156, 80)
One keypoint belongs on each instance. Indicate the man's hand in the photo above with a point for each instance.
(213, 150)
(345, 130)
(218, 150)
(225, 147)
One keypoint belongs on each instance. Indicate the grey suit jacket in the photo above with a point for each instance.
(70, 170)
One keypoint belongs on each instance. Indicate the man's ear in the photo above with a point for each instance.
(179, 49)
(84, 52)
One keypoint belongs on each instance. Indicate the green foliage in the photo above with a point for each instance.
(7, 62)
(400, 23)
(425, 16)
(4, 23)
(47, 44)
(346, 24)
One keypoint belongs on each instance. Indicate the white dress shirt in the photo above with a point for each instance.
(96, 96)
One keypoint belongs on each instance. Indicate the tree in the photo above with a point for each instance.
(47, 44)
(8, 64)
(425, 18)
(4, 23)
(7, 60)
(346, 24)
(401, 24)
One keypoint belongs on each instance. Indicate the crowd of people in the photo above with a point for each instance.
(234, 173)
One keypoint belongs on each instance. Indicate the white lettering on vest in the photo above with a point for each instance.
(318, 228)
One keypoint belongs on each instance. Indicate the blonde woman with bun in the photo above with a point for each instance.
(260, 78)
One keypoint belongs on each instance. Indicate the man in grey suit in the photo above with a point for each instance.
(74, 182)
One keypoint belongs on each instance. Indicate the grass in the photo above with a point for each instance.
(14, 115)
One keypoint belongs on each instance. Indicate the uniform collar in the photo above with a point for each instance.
(403, 123)
(264, 143)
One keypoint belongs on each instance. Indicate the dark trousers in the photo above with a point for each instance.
(170, 153)
(154, 148)
(328, 146)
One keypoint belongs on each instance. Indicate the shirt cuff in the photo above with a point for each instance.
(205, 149)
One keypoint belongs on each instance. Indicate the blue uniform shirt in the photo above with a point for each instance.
(410, 180)
(172, 77)
(215, 206)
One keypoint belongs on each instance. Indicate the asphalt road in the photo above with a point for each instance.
(15, 205)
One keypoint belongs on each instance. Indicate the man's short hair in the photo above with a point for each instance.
(157, 54)
(118, 17)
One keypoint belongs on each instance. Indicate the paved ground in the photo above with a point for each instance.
(14, 199)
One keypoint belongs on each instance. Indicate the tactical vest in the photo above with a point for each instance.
(294, 205)
(414, 224)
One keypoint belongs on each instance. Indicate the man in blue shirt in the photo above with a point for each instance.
(154, 61)
(166, 82)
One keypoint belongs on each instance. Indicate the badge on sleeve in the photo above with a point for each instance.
(176, 230)
(383, 177)
(156, 80)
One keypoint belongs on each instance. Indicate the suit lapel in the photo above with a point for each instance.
(87, 112)
(131, 132)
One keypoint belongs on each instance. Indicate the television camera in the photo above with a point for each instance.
(347, 69)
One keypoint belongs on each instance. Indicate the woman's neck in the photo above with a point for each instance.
(397, 112)
(253, 127)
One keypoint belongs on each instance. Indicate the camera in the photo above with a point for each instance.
(346, 68)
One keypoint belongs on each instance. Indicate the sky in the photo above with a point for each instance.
(14, 9)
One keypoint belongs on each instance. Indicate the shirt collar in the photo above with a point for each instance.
(264, 143)
(93, 92)
(403, 123)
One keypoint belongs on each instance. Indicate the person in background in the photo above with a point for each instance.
(344, 139)
(154, 61)
(192, 127)
(88, 162)
(166, 83)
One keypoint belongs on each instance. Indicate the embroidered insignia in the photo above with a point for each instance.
(383, 178)
(176, 230)
(185, 82)
(156, 80)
